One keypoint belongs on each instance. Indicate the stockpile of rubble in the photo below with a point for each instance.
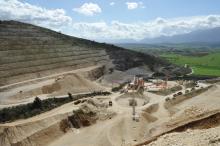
(205, 137)
(89, 112)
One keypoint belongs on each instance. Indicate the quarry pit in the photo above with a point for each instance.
(102, 123)
(109, 94)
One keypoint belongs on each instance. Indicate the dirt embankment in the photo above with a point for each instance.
(70, 83)
(94, 74)
(41, 130)
(200, 132)
(74, 83)
(200, 113)
(206, 137)
(206, 123)
(179, 123)
(175, 100)
(38, 132)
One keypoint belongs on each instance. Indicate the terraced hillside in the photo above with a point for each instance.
(29, 52)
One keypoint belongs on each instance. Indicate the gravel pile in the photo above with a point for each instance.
(194, 110)
(188, 113)
(206, 137)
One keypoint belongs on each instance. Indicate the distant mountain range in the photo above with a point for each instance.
(200, 36)
(205, 36)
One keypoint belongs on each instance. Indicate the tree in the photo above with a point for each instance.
(70, 96)
(111, 70)
(37, 103)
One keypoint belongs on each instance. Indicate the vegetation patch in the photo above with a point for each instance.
(180, 98)
(39, 106)
(167, 91)
(190, 84)
(205, 65)
(116, 89)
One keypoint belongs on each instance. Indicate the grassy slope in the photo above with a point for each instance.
(206, 65)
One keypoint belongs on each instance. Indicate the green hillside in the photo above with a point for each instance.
(205, 65)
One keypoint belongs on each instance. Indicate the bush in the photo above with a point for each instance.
(70, 95)
(37, 103)
(168, 91)
(115, 89)
(39, 106)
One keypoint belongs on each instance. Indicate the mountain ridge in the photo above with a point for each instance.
(28, 52)
(205, 36)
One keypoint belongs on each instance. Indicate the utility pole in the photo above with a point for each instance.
(123, 142)
(133, 107)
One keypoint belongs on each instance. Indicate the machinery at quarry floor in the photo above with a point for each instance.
(58, 90)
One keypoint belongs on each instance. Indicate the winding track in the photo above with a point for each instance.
(122, 129)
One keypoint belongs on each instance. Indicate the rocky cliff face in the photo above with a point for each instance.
(29, 52)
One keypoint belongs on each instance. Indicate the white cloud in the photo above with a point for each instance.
(112, 3)
(57, 19)
(141, 5)
(117, 30)
(88, 9)
(25, 12)
(132, 5)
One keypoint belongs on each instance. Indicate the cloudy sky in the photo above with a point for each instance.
(115, 20)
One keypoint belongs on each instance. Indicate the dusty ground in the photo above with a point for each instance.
(51, 86)
(118, 130)
(122, 130)
(153, 119)
(117, 77)
(123, 100)
(207, 137)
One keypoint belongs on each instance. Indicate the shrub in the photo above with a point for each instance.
(70, 95)
(37, 103)
(115, 89)
(39, 106)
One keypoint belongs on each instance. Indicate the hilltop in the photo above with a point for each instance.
(30, 52)
(198, 36)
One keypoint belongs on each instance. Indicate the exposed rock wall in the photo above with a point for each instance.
(40, 130)
(29, 52)
(34, 133)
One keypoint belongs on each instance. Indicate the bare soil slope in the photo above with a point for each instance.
(29, 52)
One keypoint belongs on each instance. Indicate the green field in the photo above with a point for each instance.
(205, 65)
